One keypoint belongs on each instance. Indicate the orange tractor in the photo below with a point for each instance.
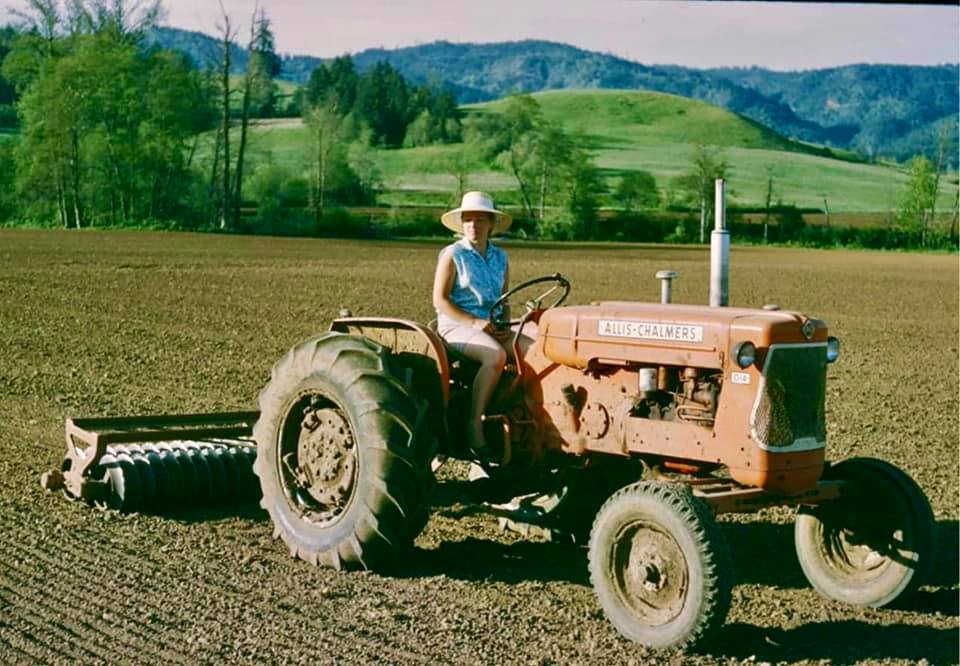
(627, 425)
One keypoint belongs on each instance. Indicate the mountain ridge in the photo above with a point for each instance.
(876, 109)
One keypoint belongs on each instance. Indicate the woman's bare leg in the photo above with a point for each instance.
(491, 356)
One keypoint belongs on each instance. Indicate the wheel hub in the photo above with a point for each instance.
(651, 573)
(857, 545)
(326, 461)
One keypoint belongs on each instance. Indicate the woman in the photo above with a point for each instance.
(471, 275)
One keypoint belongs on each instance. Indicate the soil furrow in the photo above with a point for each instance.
(66, 596)
(120, 323)
(130, 574)
(53, 632)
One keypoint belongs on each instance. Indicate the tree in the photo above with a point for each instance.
(106, 124)
(7, 183)
(423, 131)
(383, 103)
(50, 163)
(517, 129)
(323, 121)
(582, 186)
(945, 142)
(768, 199)
(263, 66)
(706, 165)
(362, 161)
(918, 200)
(552, 152)
(456, 162)
(637, 189)
(8, 94)
(258, 90)
(227, 35)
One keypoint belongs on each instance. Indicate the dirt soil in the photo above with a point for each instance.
(126, 323)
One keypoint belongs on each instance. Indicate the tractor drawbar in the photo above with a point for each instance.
(158, 463)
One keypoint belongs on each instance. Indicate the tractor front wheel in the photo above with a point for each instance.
(660, 565)
(872, 545)
(342, 454)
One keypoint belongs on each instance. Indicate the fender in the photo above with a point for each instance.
(403, 336)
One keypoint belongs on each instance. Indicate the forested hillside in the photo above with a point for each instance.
(105, 127)
(879, 110)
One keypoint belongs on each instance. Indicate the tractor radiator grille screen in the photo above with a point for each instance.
(790, 406)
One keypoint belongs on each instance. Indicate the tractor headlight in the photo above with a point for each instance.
(833, 349)
(745, 354)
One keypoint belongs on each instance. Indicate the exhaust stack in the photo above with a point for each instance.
(719, 251)
(666, 283)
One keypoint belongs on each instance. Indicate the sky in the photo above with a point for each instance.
(784, 36)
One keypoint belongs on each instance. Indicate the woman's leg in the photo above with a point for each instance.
(492, 357)
(483, 348)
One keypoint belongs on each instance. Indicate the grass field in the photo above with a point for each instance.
(101, 323)
(641, 130)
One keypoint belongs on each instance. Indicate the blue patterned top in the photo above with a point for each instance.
(479, 280)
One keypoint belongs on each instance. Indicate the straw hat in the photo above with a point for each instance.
(476, 201)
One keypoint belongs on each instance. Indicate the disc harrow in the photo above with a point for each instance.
(158, 463)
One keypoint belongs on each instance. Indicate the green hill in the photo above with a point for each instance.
(892, 111)
(629, 130)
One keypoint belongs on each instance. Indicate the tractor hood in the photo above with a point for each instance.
(627, 333)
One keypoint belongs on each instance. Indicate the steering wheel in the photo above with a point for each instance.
(558, 283)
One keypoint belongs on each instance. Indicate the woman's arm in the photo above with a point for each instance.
(442, 286)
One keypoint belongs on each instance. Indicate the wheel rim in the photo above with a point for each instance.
(860, 546)
(649, 572)
(317, 459)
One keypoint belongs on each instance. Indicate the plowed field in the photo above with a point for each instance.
(127, 323)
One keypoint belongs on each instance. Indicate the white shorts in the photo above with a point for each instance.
(459, 335)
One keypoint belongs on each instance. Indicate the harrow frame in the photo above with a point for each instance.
(96, 434)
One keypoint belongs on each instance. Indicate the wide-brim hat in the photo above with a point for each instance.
(473, 202)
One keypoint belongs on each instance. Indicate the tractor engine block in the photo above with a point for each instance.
(687, 394)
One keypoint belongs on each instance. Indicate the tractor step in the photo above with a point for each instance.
(158, 463)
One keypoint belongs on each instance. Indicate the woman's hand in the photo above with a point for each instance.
(482, 325)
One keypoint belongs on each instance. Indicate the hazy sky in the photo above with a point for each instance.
(699, 34)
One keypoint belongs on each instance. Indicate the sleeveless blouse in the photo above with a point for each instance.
(479, 280)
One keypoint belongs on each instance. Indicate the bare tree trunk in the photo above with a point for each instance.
(62, 200)
(77, 210)
(524, 190)
(193, 150)
(767, 200)
(225, 198)
(244, 118)
(955, 222)
(703, 215)
(215, 171)
(461, 183)
(241, 152)
(543, 187)
(943, 147)
(323, 175)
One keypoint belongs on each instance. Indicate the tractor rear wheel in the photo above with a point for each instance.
(660, 565)
(874, 544)
(343, 454)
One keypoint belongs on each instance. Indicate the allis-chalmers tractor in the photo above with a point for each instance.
(628, 426)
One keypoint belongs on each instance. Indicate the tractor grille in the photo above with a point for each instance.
(789, 411)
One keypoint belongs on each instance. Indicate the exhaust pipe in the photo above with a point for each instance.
(666, 280)
(719, 251)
